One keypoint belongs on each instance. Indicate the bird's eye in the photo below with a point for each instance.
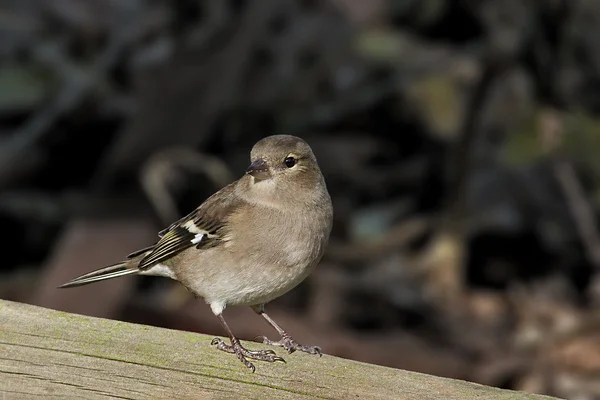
(290, 162)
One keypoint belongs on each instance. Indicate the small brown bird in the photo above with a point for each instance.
(247, 244)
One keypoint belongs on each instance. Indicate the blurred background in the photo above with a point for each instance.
(460, 141)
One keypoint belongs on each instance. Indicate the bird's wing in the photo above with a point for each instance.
(203, 228)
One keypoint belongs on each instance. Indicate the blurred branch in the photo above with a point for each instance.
(582, 212)
(446, 255)
(160, 170)
(460, 153)
(398, 236)
(78, 83)
(182, 110)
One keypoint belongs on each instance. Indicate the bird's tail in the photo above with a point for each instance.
(127, 267)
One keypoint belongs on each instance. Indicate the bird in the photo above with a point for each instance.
(247, 244)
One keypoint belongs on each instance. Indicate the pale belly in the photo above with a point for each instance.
(249, 281)
(259, 289)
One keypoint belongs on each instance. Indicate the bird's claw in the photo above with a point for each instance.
(289, 344)
(243, 353)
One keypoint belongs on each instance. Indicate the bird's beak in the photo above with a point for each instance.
(259, 169)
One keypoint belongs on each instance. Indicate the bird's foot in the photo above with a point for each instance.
(243, 353)
(290, 344)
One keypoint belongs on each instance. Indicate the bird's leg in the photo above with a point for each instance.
(240, 351)
(286, 341)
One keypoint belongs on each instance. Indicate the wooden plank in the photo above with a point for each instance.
(52, 354)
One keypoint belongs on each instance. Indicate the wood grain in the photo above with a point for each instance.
(50, 354)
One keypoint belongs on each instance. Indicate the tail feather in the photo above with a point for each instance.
(112, 271)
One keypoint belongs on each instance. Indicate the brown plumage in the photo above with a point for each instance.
(247, 244)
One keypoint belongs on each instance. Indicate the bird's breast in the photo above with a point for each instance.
(265, 257)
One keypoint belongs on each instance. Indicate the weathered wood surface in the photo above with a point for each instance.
(50, 354)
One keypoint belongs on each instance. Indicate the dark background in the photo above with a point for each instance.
(459, 141)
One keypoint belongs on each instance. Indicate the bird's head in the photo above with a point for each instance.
(283, 160)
